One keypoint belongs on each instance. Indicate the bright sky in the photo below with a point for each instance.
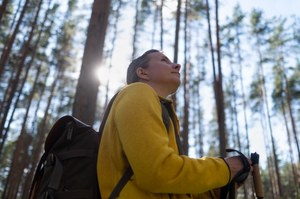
(122, 53)
(270, 7)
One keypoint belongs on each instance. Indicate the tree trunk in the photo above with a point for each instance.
(19, 163)
(289, 103)
(35, 47)
(241, 80)
(84, 106)
(186, 71)
(176, 42)
(161, 25)
(7, 49)
(135, 29)
(26, 185)
(234, 111)
(39, 140)
(153, 33)
(219, 91)
(24, 54)
(3, 8)
(291, 154)
(199, 116)
(7, 40)
(277, 187)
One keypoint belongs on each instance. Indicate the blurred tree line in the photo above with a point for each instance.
(242, 71)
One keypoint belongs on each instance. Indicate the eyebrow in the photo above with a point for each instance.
(165, 57)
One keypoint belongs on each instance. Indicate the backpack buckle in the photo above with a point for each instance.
(50, 160)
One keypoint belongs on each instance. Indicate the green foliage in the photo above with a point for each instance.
(213, 143)
(256, 93)
(146, 9)
(72, 5)
(289, 181)
(198, 5)
(197, 10)
(294, 82)
(258, 26)
(278, 91)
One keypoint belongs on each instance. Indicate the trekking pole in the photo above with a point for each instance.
(256, 176)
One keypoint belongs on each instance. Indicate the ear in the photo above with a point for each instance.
(142, 73)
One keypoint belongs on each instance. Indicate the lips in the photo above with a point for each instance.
(176, 73)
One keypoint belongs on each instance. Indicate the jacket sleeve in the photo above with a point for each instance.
(156, 165)
(206, 195)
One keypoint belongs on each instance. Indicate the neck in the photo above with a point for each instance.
(160, 90)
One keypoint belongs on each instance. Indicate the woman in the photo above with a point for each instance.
(135, 136)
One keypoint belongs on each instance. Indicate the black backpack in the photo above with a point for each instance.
(67, 169)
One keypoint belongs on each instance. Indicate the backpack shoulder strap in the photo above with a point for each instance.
(106, 114)
(122, 182)
(128, 173)
(165, 115)
(168, 113)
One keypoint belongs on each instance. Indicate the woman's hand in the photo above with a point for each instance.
(236, 166)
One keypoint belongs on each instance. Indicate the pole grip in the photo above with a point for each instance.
(256, 176)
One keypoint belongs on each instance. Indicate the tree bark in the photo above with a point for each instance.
(176, 42)
(186, 70)
(7, 49)
(289, 140)
(219, 91)
(161, 25)
(278, 186)
(84, 106)
(3, 8)
(290, 110)
(19, 163)
(40, 138)
(135, 29)
(24, 54)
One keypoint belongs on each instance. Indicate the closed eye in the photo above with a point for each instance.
(166, 60)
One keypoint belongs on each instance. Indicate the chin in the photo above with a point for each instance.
(178, 84)
(175, 88)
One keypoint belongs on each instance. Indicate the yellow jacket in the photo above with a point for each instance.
(135, 134)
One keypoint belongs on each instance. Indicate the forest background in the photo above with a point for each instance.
(240, 77)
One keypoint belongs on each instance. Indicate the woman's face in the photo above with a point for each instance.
(162, 74)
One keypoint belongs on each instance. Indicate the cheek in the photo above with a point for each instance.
(159, 72)
(156, 72)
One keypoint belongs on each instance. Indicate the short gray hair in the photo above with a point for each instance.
(142, 62)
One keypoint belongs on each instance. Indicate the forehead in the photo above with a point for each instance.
(157, 55)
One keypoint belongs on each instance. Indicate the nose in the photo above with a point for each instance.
(176, 66)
